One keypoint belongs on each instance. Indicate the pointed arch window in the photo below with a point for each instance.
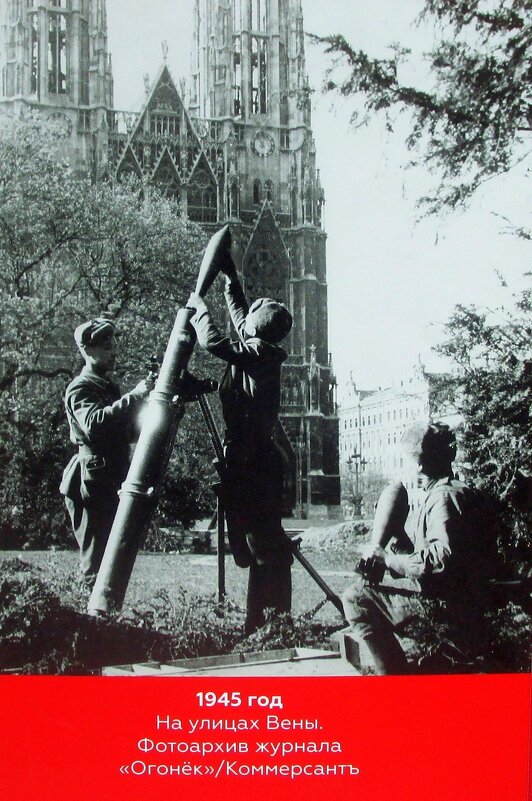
(57, 54)
(234, 199)
(202, 198)
(258, 15)
(34, 74)
(257, 191)
(308, 204)
(237, 77)
(167, 181)
(268, 190)
(84, 57)
(237, 15)
(259, 75)
(293, 205)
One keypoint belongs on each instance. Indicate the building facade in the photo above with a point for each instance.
(372, 423)
(236, 147)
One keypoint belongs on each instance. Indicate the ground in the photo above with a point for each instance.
(171, 607)
(172, 611)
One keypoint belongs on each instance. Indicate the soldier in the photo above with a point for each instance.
(450, 559)
(101, 425)
(250, 397)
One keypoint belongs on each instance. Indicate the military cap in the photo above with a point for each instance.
(94, 331)
(272, 320)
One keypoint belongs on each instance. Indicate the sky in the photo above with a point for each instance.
(393, 280)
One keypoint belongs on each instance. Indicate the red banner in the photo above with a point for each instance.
(456, 738)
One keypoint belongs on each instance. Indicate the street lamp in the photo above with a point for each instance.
(356, 459)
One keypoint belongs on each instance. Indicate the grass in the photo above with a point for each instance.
(171, 610)
(197, 575)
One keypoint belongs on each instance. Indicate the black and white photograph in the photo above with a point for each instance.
(265, 335)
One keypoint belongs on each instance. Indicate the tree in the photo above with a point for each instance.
(70, 250)
(475, 121)
(471, 124)
(491, 386)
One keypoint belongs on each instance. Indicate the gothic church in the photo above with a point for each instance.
(235, 147)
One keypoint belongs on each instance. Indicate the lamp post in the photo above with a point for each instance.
(359, 464)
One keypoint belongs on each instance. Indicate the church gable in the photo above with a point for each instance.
(163, 138)
(266, 263)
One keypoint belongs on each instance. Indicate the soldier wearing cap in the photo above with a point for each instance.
(101, 422)
(450, 559)
(250, 397)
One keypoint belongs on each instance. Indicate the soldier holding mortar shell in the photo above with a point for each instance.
(450, 560)
(250, 396)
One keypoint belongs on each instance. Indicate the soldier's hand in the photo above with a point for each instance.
(143, 388)
(227, 266)
(195, 301)
(374, 553)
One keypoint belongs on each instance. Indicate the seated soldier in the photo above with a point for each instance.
(250, 397)
(449, 560)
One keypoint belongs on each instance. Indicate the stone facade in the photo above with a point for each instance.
(372, 423)
(237, 147)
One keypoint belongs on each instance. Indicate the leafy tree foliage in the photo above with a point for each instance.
(69, 251)
(491, 386)
(475, 120)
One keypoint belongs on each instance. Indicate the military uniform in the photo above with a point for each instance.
(252, 491)
(450, 560)
(101, 426)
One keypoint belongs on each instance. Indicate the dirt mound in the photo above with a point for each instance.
(349, 535)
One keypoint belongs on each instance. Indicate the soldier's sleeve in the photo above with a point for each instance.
(92, 416)
(237, 305)
(441, 517)
(241, 353)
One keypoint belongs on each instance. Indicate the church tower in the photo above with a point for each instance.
(250, 97)
(54, 57)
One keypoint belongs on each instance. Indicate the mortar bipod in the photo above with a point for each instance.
(219, 463)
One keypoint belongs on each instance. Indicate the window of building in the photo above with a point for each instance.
(225, 27)
(202, 200)
(34, 53)
(258, 15)
(167, 181)
(257, 191)
(285, 139)
(215, 131)
(84, 65)
(237, 77)
(259, 75)
(293, 205)
(84, 120)
(237, 15)
(268, 190)
(234, 200)
(57, 55)
(166, 124)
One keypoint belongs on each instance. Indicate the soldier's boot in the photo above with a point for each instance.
(385, 653)
(269, 587)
